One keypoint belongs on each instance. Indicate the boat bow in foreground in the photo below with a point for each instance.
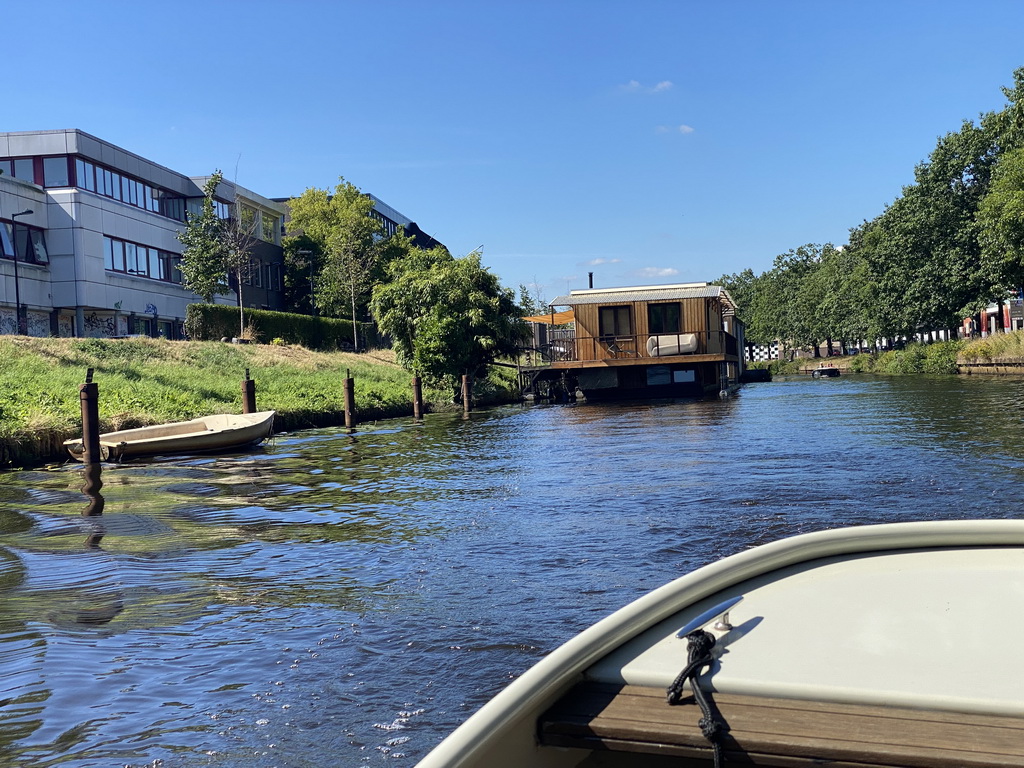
(885, 645)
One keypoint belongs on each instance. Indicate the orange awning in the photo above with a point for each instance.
(558, 318)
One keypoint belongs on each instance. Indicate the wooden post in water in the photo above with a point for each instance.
(248, 394)
(467, 391)
(349, 388)
(90, 397)
(417, 398)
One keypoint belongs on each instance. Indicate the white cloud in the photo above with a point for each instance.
(599, 262)
(674, 129)
(635, 86)
(657, 272)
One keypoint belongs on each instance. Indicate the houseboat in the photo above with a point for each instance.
(638, 342)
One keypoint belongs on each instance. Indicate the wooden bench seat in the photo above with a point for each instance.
(780, 732)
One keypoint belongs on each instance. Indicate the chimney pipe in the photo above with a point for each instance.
(590, 278)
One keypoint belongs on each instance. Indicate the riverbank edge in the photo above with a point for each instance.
(40, 442)
(999, 354)
(45, 447)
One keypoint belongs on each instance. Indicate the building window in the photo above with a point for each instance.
(55, 172)
(663, 318)
(247, 219)
(274, 281)
(6, 241)
(615, 321)
(140, 260)
(29, 243)
(24, 169)
(268, 227)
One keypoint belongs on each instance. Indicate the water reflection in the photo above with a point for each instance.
(343, 598)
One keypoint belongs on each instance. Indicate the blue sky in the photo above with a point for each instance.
(646, 142)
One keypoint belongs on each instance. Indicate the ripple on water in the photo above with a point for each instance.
(344, 598)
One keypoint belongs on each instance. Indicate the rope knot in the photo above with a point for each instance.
(699, 647)
(712, 728)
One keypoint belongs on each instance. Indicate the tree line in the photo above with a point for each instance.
(445, 316)
(951, 244)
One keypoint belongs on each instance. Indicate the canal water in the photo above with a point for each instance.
(346, 599)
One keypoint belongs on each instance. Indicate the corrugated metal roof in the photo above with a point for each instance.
(644, 293)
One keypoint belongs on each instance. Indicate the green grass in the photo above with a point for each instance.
(1000, 347)
(152, 381)
(939, 358)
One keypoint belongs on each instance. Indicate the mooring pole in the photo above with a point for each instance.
(90, 397)
(349, 389)
(467, 387)
(248, 394)
(417, 398)
(91, 488)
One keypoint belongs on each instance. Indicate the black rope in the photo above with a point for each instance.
(699, 645)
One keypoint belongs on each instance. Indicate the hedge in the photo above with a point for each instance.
(211, 322)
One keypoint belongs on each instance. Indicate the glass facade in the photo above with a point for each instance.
(135, 259)
(30, 242)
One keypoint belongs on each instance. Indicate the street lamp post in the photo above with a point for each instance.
(22, 320)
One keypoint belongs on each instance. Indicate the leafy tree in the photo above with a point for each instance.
(531, 302)
(1001, 223)
(303, 260)
(351, 242)
(204, 256)
(217, 253)
(447, 316)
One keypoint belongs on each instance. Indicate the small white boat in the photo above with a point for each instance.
(825, 372)
(887, 645)
(220, 432)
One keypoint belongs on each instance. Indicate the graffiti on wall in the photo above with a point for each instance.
(97, 325)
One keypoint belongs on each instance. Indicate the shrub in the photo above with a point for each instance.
(210, 322)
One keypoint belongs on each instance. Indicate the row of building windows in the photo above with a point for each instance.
(30, 243)
(66, 171)
(135, 259)
(103, 181)
(256, 223)
(263, 275)
(390, 227)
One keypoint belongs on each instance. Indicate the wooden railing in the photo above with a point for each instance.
(568, 348)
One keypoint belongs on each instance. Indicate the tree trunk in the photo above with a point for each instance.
(241, 307)
(355, 333)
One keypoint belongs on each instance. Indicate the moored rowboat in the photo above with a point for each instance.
(887, 645)
(220, 432)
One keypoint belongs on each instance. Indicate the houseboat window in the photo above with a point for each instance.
(615, 321)
(663, 318)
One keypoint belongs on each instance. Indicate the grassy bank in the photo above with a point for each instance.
(941, 357)
(152, 381)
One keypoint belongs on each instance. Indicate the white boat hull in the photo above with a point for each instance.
(219, 432)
